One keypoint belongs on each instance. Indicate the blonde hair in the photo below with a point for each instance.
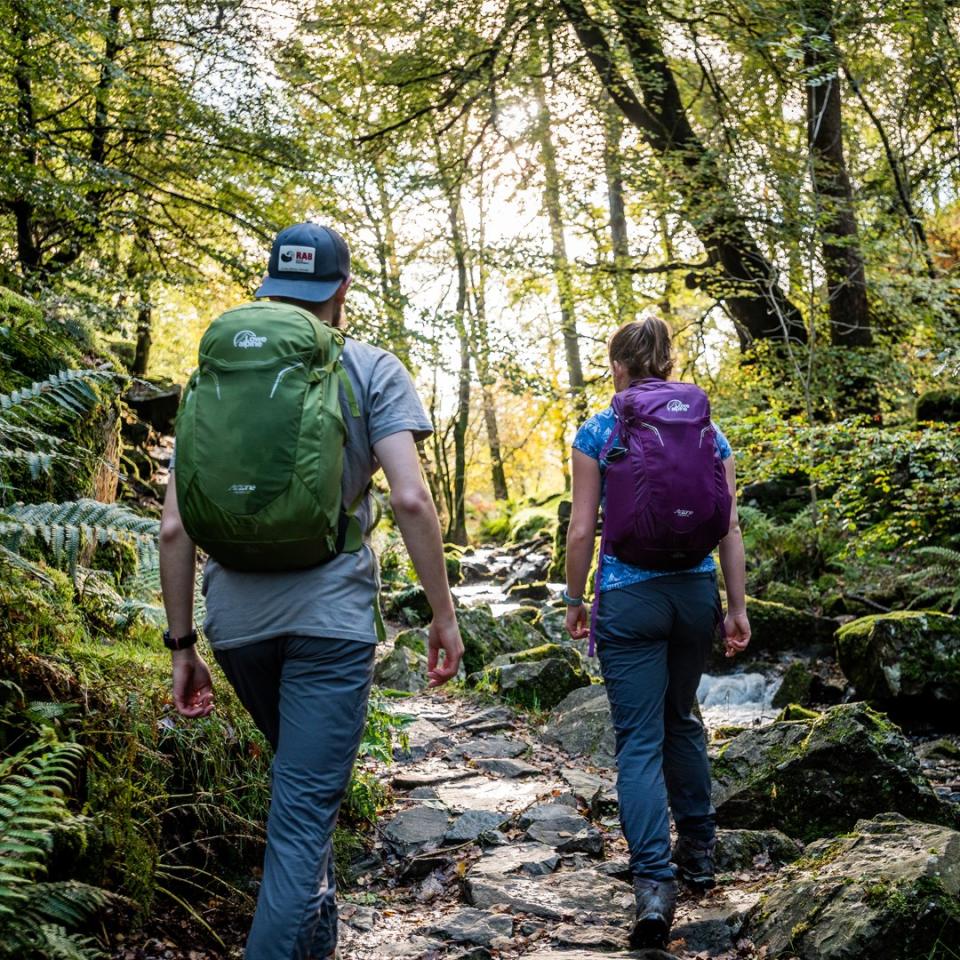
(643, 348)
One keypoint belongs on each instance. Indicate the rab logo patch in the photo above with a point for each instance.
(295, 259)
(677, 406)
(246, 339)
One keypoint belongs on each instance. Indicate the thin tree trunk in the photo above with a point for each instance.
(141, 356)
(561, 264)
(842, 255)
(613, 167)
(28, 253)
(748, 283)
(390, 282)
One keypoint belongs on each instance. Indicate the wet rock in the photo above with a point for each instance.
(473, 926)
(402, 669)
(582, 725)
(529, 591)
(510, 769)
(473, 824)
(795, 686)
(530, 859)
(492, 747)
(415, 828)
(485, 637)
(816, 777)
(715, 927)
(555, 896)
(739, 849)
(907, 661)
(889, 891)
(473, 570)
(539, 678)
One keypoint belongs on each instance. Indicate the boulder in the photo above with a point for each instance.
(582, 725)
(795, 597)
(473, 824)
(529, 591)
(794, 686)
(551, 622)
(777, 627)
(409, 606)
(416, 828)
(415, 640)
(486, 637)
(453, 564)
(888, 891)
(908, 661)
(538, 678)
(739, 849)
(155, 403)
(816, 776)
(401, 669)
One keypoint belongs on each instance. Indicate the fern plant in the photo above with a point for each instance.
(36, 915)
(939, 580)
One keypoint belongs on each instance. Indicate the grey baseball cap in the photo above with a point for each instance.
(307, 262)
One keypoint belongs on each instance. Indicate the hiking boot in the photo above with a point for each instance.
(694, 860)
(656, 901)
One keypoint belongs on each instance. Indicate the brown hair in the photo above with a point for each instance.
(643, 347)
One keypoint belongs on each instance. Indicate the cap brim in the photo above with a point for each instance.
(314, 291)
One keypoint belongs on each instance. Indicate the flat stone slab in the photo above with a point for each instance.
(597, 792)
(510, 769)
(481, 793)
(532, 859)
(560, 835)
(473, 926)
(556, 896)
(590, 936)
(715, 927)
(412, 779)
(543, 812)
(494, 718)
(495, 747)
(473, 824)
(416, 827)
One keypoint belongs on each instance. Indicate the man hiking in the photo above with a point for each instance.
(278, 436)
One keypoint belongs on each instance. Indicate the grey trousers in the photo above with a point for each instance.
(309, 697)
(653, 639)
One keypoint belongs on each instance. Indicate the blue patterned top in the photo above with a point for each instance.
(614, 573)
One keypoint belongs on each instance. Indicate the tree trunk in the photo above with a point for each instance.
(141, 356)
(28, 253)
(748, 284)
(561, 264)
(390, 285)
(613, 167)
(842, 255)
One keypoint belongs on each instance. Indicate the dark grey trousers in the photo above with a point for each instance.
(653, 639)
(309, 697)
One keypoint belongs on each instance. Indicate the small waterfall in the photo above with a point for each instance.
(737, 698)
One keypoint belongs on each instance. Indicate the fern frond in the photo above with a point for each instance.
(63, 526)
(52, 942)
(67, 903)
(70, 390)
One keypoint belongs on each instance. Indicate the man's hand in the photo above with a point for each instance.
(578, 621)
(736, 633)
(445, 636)
(192, 686)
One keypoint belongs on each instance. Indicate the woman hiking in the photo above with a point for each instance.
(664, 475)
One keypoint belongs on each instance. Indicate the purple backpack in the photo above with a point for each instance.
(667, 503)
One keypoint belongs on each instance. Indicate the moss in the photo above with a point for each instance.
(794, 687)
(415, 640)
(793, 711)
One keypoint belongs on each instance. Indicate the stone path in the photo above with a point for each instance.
(500, 845)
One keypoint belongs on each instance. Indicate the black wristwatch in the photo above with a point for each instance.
(179, 643)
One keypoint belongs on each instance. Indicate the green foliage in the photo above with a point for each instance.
(937, 580)
(34, 915)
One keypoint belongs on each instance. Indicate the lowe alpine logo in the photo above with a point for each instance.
(677, 406)
(246, 339)
(680, 512)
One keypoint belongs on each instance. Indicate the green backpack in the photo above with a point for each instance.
(260, 441)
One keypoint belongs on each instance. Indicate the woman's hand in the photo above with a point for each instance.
(578, 621)
(736, 633)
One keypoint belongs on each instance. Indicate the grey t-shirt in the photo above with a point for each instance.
(337, 598)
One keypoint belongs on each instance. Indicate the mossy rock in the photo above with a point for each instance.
(816, 776)
(908, 661)
(528, 614)
(939, 406)
(737, 849)
(889, 890)
(539, 678)
(415, 640)
(776, 592)
(401, 669)
(409, 605)
(486, 637)
(540, 517)
(776, 626)
(452, 560)
(551, 622)
(529, 591)
(795, 686)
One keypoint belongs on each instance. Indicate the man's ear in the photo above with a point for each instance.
(341, 292)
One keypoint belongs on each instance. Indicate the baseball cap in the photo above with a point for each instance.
(307, 262)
